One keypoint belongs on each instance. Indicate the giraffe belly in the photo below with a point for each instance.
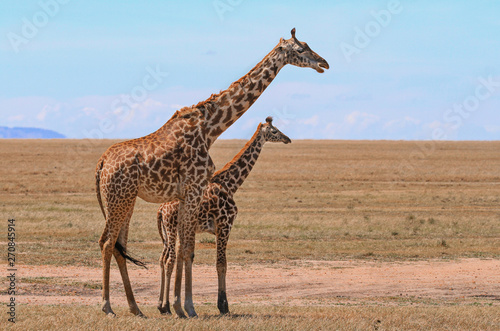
(159, 192)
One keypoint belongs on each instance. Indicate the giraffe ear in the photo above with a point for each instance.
(269, 120)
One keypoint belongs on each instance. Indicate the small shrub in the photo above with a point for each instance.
(207, 240)
(443, 243)
(410, 217)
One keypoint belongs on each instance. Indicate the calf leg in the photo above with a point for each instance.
(221, 272)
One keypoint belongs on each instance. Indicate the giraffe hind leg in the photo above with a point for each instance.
(122, 265)
(168, 266)
(120, 256)
(163, 301)
(116, 230)
(106, 252)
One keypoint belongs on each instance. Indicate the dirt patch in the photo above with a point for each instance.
(305, 282)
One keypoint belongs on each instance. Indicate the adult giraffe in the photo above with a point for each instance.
(173, 163)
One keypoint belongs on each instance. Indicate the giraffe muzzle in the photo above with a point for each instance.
(321, 66)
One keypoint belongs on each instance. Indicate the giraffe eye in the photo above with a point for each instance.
(273, 131)
(301, 50)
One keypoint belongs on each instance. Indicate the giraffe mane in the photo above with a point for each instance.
(208, 103)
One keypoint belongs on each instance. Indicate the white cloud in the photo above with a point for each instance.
(492, 128)
(89, 110)
(401, 123)
(41, 115)
(361, 121)
(16, 118)
(46, 110)
(353, 126)
(437, 128)
(313, 121)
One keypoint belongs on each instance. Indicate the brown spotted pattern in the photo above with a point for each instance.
(173, 164)
(217, 214)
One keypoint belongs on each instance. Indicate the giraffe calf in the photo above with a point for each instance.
(217, 213)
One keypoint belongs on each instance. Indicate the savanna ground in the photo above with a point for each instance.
(330, 235)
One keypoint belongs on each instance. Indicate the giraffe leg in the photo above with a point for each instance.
(222, 237)
(162, 280)
(116, 229)
(122, 265)
(178, 274)
(188, 280)
(172, 237)
(107, 246)
(221, 275)
(163, 304)
(188, 217)
(191, 213)
(167, 266)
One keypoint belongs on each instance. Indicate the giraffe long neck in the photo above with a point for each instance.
(234, 173)
(225, 108)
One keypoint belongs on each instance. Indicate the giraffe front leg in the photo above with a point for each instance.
(188, 280)
(221, 272)
(178, 274)
(190, 219)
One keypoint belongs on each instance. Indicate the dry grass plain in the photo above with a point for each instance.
(328, 206)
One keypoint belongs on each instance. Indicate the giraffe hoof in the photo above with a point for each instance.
(222, 303)
(106, 308)
(164, 310)
(190, 311)
(138, 313)
(225, 312)
(179, 311)
(181, 315)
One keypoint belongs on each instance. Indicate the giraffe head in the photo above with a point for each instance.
(299, 54)
(272, 134)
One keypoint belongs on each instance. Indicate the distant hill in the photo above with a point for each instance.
(28, 133)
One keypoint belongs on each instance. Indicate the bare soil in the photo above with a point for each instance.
(464, 281)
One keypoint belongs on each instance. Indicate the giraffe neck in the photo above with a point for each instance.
(223, 109)
(234, 173)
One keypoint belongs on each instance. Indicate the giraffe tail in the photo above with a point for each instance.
(159, 222)
(98, 185)
(123, 252)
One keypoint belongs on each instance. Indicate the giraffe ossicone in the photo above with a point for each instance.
(173, 163)
(217, 213)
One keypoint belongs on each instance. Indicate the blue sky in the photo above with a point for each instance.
(398, 69)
